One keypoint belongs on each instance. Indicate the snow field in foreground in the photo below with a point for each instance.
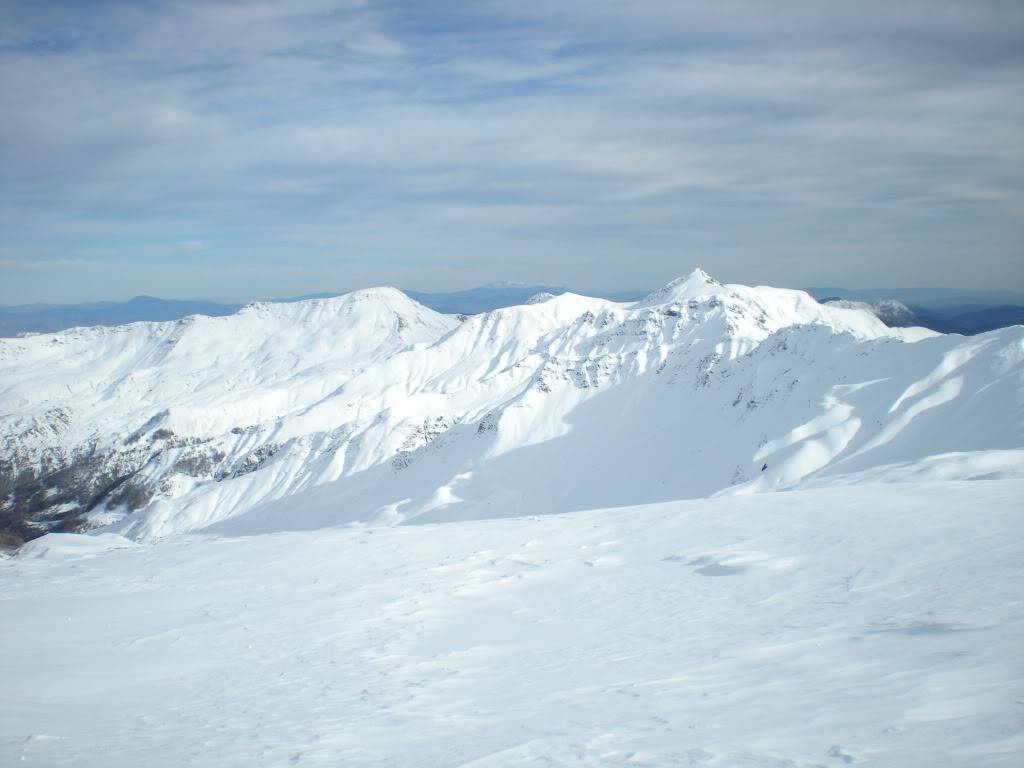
(868, 625)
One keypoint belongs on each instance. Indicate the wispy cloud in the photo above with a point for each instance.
(583, 143)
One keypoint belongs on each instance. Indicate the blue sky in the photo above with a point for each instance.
(239, 150)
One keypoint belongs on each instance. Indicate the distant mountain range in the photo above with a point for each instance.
(48, 318)
(940, 309)
(932, 298)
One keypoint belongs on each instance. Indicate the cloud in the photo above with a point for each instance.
(368, 138)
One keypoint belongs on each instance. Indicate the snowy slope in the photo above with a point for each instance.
(372, 408)
(891, 312)
(866, 625)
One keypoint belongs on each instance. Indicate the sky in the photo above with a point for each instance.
(242, 150)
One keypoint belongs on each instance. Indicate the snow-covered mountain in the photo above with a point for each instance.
(370, 407)
(893, 313)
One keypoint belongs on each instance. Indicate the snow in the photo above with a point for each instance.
(721, 526)
(64, 545)
(889, 311)
(371, 408)
(540, 298)
(874, 624)
(204, 374)
(970, 465)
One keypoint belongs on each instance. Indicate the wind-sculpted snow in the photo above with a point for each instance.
(372, 408)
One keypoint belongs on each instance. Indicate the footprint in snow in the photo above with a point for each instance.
(603, 562)
(837, 752)
(707, 566)
(718, 569)
(917, 628)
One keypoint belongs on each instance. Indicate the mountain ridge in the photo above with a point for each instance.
(370, 407)
(943, 310)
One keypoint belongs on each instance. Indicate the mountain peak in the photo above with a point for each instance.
(540, 298)
(361, 306)
(697, 283)
(380, 293)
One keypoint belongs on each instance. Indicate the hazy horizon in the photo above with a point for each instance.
(986, 296)
(114, 297)
(196, 149)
